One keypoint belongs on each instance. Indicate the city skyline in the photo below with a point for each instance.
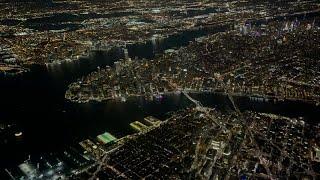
(169, 89)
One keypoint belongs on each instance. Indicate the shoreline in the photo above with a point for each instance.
(252, 97)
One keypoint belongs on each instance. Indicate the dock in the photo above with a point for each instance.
(106, 138)
(152, 120)
(138, 126)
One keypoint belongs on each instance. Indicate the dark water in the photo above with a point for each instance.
(151, 48)
(60, 21)
(35, 102)
(290, 17)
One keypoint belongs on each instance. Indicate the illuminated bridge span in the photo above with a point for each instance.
(197, 103)
(200, 106)
(230, 99)
(233, 104)
(204, 110)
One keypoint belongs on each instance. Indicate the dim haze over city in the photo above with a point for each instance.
(159, 89)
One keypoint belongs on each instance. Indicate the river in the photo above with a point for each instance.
(35, 102)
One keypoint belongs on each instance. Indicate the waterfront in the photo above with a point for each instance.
(35, 102)
(159, 89)
(70, 123)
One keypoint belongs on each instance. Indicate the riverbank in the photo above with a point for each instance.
(49, 124)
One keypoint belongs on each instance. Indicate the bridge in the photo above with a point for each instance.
(197, 103)
(200, 106)
(233, 103)
(204, 110)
